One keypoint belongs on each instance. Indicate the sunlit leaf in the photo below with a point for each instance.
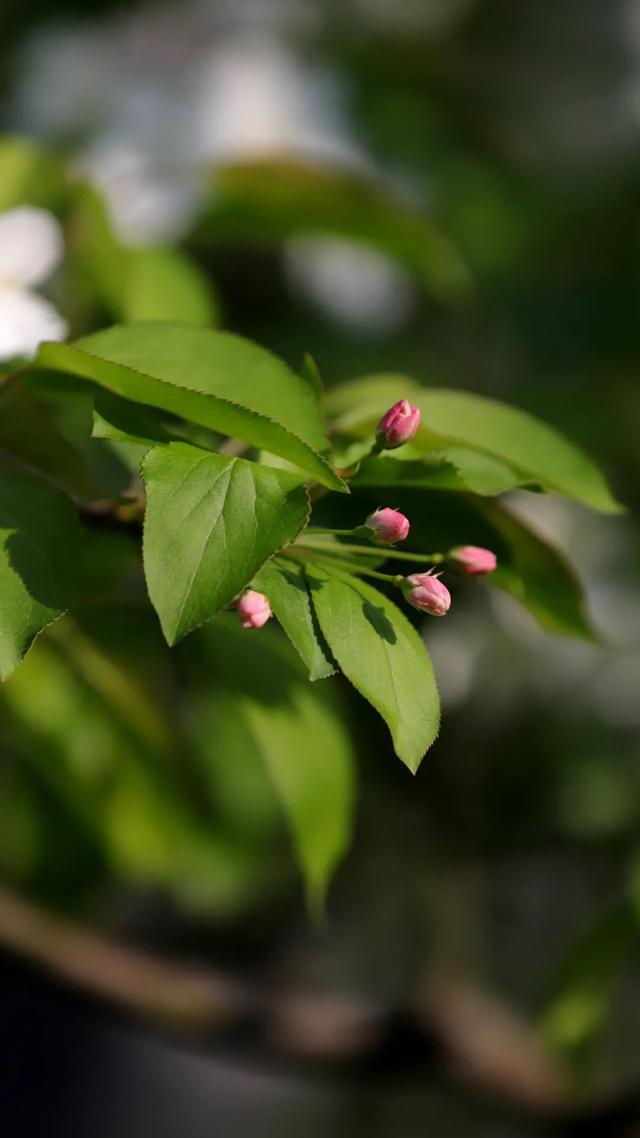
(285, 584)
(535, 451)
(382, 655)
(215, 379)
(211, 522)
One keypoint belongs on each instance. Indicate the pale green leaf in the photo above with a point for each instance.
(39, 550)
(512, 435)
(311, 372)
(163, 284)
(270, 712)
(309, 758)
(29, 175)
(382, 655)
(355, 405)
(215, 379)
(93, 713)
(284, 583)
(210, 523)
(94, 249)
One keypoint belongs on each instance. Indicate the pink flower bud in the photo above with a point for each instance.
(254, 609)
(398, 425)
(425, 591)
(387, 526)
(473, 560)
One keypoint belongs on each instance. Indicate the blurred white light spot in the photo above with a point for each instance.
(253, 96)
(350, 284)
(456, 652)
(147, 201)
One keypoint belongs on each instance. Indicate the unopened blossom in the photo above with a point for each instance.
(426, 592)
(473, 560)
(387, 526)
(31, 247)
(253, 608)
(398, 425)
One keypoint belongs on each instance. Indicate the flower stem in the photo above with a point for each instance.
(368, 551)
(376, 448)
(350, 566)
(321, 531)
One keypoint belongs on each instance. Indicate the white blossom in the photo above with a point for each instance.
(31, 247)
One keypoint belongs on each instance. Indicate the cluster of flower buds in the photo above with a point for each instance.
(386, 526)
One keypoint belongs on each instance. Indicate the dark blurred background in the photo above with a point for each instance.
(501, 889)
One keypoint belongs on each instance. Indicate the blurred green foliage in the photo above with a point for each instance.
(110, 780)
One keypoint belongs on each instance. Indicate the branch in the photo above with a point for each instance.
(471, 1036)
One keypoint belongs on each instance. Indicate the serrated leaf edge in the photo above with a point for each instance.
(44, 352)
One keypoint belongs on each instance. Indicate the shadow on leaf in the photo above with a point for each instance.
(380, 622)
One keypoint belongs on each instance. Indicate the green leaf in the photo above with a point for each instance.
(534, 450)
(452, 468)
(532, 447)
(220, 364)
(297, 732)
(163, 284)
(284, 583)
(215, 379)
(311, 372)
(126, 422)
(275, 199)
(210, 523)
(39, 546)
(94, 250)
(30, 434)
(382, 655)
(356, 405)
(29, 175)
